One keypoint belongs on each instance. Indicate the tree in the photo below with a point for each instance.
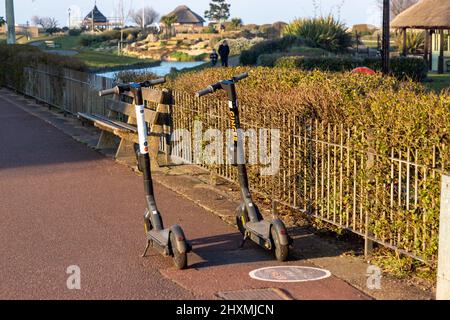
(236, 23)
(148, 13)
(2, 21)
(169, 21)
(45, 22)
(218, 11)
(398, 6)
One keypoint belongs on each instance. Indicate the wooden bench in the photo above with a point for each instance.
(159, 121)
(51, 44)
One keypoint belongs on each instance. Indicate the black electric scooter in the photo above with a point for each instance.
(172, 241)
(271, 235)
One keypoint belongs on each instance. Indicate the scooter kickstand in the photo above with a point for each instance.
(146, 249)
(243, 241)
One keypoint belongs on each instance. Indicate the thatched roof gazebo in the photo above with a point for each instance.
(433, 16)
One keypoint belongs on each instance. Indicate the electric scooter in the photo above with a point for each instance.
(172, 241)
(271, 235)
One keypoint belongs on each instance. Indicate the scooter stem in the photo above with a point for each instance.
(145, 159)
(230, 89)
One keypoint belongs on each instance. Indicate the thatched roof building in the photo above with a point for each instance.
(426, 14)
(433, 16)
(186, 21)
(186, 16)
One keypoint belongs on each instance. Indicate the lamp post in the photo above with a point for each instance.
(10, 21)
(70, 22)
(386, 36)
(143, 15)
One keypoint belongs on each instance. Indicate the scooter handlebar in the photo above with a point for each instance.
(109, 92)
(120, 88)
(210, 89)
(217, 86)
(153, 82)
(240, 77)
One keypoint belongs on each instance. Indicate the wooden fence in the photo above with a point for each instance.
(323, 173)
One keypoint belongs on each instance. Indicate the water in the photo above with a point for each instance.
(160, 70)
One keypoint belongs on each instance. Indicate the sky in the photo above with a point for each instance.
(251, 11)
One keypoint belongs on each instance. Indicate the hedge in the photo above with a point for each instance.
(14, 58)
(250, 57)
(401, 67)
(399, 115)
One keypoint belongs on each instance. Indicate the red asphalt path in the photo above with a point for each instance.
(63, 204)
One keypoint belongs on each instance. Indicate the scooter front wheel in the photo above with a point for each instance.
(281, 251)
(179, 259)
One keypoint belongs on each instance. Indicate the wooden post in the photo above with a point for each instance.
(441, 52)
(405, 40)
(443, 276)
(427, 48)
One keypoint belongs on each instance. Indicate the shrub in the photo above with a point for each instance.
(415, 42)
(409, 67)
(183, 56)
(14, 58)
(250, 57)
(401, 67)
(325, 32)
(237, 46)
(402, 115)
(75, 32)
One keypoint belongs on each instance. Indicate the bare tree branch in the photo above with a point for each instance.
(151, 16)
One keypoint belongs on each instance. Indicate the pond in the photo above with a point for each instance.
(161, 70)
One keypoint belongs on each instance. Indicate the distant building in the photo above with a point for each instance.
(26, 30)
(186, 20)
(96, 20)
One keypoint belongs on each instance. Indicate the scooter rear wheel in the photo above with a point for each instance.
(281, 251)
(179, 259)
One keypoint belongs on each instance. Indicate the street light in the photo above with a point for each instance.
(386, 36)
(69, 11)
(10, 21)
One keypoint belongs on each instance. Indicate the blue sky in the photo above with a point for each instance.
(251, 11)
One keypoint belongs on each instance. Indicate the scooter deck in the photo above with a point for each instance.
(161, 237)
(260, 229)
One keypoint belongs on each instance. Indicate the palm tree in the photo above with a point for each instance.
(169, 21)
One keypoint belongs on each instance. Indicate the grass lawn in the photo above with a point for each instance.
(439, 81)
(95, 59)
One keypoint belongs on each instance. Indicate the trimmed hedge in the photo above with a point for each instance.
(398, 115)
(14, 58)
(401, 67)
(250, 57)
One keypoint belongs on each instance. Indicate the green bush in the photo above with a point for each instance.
(250, 57)
(401, 67)
(184, 57)
(75, 32)
(14, 58)
(399, 115)
(415, 42)
(325, 32)
(409, 67)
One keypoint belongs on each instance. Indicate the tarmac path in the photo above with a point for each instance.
(63, 204)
